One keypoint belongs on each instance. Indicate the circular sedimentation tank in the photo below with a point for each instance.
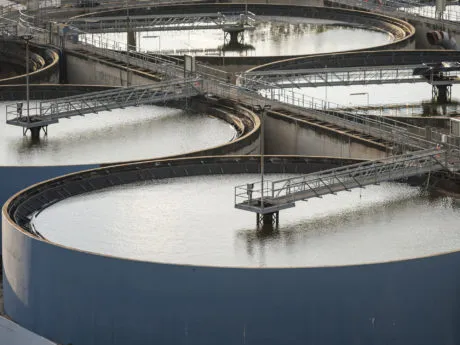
(279, 30)
(177, 265)
(271, 36)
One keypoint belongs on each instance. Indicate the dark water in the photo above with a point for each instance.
(271, 36)
(120, 135)
(193, 221)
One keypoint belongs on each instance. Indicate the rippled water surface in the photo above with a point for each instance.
(193, 221)
(120, 135)
(271, 36)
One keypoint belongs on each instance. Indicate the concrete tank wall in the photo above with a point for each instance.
(287, 137)
(82, 69)
(74, 297)
(13, 179)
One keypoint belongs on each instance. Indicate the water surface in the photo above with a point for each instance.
(271, 36)
(193, 221)
(132, 133)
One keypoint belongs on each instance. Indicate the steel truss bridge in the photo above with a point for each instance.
(283, 193)
(315, 77)
(48, 112)
(227, 21)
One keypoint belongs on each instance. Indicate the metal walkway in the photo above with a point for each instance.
(282, 194)
(297, 78)
(48, 112)
(222, 20)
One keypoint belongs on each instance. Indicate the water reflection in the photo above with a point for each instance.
(272, 36)
(326, 225)
(236, 47)
(379, 223)
(120, 135)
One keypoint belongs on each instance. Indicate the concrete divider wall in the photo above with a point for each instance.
(82, 69)
(287, 136)
(81, 298)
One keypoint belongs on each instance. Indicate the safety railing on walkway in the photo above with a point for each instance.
(216, 82)
(360, 75)
(283, 193)
(426, 108)
(47, 112)
(194, 21)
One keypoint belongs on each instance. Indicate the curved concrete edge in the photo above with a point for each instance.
(72, 296)
(16, 178)
(49, 72)
(246, 142)
(13, 334)
(41, 195)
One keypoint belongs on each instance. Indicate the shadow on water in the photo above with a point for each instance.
(27, 143)
(236, 47)
(125, 131)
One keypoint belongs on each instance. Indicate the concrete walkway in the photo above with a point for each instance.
(13, 334)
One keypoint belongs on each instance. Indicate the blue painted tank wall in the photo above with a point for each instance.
(80, 298)
(13, 179)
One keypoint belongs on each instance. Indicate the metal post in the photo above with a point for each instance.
(262, 144)
(27, 79)
(27, 38)
(127, 44)
(262, 150)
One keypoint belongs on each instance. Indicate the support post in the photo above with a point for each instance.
(236, 37)
(268, 220)
(27, 38)
(441, 93)
(129, 37)
(35, 132)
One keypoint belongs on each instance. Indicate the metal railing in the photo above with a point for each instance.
(195, 21)
(216, 82)
(284, 193)
(427, 108)
(47, 112)
(317, 77)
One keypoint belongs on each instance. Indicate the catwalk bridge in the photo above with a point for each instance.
(277, 195)
(227, 21)
(435, 74)
(49, 112)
